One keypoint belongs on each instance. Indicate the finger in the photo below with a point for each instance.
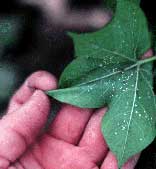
(92, 140)
(148, 54)
(70, 123)
(39, 80)
(110, 162)
(54, 153)
(131, 163)
(28, 160)
(19, 129)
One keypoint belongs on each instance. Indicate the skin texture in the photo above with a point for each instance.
(72, 141)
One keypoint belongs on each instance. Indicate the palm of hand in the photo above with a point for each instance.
(73, 140)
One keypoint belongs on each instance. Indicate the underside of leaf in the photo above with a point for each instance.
(107, 71)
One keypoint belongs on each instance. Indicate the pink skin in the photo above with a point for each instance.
(73, 140)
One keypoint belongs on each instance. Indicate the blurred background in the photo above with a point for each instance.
(33, 37)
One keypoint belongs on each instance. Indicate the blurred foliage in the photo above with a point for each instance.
(10, 27)
(10, 30)
(26, 46)
(9, 77)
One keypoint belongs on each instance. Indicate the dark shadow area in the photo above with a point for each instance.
(85, 4)
(36, 48)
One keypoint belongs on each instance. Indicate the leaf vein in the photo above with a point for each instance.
(131, 114)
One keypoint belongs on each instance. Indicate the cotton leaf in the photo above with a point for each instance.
(107, 71)
(125, 35)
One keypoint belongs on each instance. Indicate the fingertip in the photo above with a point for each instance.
(131, 163)
(42, 80)
(148, 54)
(92, 140)
(110, 162)
(101, 112)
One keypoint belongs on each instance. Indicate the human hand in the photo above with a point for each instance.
(73, 140)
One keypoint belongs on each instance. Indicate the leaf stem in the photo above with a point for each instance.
(146, 60)
(141, 62)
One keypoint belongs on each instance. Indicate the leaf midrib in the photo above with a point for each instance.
(106, 76)
(132, 110)
(138, 63)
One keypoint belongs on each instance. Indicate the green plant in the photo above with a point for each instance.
(108, 70)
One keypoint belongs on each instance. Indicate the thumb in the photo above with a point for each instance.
(20, 128)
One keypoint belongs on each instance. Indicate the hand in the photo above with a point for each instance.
(73, 140)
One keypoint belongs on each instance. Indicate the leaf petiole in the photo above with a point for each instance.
(141, 62)
(146, 60)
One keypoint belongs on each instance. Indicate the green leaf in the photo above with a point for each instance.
(125, 35)
(129, 125)
(107, 72)
(86, 80)
(131, 119)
